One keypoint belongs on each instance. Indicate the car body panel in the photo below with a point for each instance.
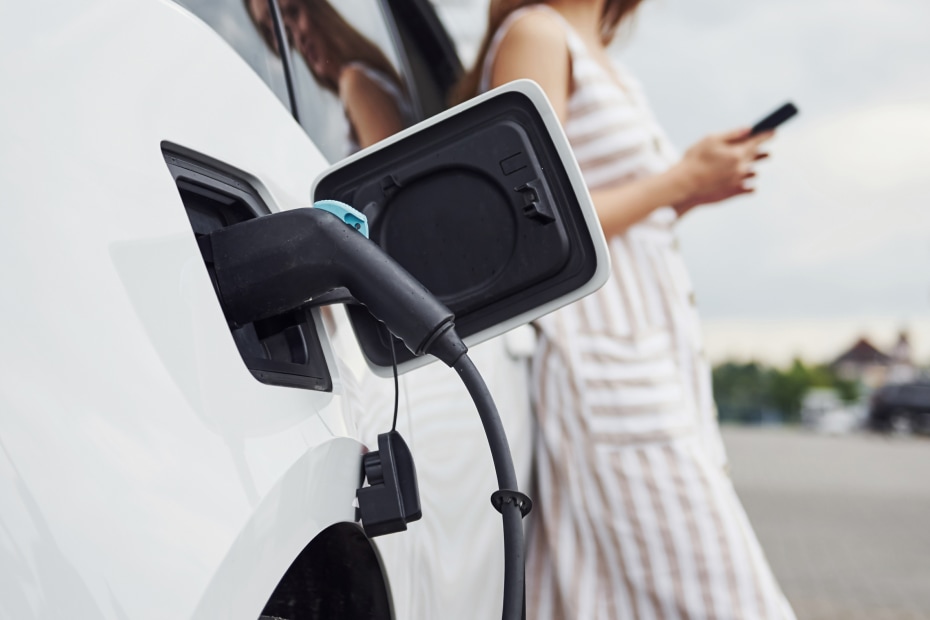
(144, 472)
(136, 447)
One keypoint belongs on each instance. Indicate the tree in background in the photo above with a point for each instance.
(789, 387)
(743, 392)
(752, 392)
(849, 391)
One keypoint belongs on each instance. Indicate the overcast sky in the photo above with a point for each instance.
(837, 239)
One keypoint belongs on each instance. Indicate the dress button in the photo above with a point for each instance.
(692, 299)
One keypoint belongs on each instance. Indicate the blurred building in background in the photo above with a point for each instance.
(864, 363)
(902, 369)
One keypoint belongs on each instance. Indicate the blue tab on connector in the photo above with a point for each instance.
(355, 219)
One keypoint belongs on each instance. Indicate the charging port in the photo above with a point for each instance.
(281, 350)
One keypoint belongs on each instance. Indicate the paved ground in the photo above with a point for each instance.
(845, 521)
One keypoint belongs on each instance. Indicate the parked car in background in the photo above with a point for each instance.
(901, 408)
(824, 411)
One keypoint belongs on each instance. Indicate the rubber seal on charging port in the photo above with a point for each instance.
(518, 499)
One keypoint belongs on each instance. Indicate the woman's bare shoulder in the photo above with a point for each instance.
(357, 80)
(535, 47)
(353, 77)
(537, 28)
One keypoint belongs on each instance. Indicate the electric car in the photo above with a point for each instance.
(163, 455)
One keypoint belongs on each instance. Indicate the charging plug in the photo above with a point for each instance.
(273, 264)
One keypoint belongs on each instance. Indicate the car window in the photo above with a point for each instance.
(352, 88)
(349, 75)
(231, 20)
(433, 65)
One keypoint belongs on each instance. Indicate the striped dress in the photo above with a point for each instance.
(635, 517)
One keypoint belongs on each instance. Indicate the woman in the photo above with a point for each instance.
(344, 62)
(635, 515)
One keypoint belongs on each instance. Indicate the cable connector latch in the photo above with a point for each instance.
(518, 499)
(351, 217)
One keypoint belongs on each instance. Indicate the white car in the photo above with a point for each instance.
(161, 460)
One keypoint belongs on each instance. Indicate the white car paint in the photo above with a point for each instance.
(144, 473)
(143, 469)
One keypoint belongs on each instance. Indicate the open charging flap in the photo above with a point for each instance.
(485, 205)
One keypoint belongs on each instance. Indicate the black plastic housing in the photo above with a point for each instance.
(392, 498)
(282, 350)
(479, 208)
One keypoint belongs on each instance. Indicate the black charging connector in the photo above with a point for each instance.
(270, 265)
(273, 264)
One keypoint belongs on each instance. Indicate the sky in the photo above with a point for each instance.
(835, 243)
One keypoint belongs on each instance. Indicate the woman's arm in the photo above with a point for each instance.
(372, 112)
(715, 168)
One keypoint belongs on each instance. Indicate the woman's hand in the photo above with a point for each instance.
(717, 168)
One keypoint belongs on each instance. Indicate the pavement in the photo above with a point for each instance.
(844, 520)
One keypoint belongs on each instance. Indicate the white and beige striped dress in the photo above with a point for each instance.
(635, 517)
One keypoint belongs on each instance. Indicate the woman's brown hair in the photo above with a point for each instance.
(467, 87)
(342, 42)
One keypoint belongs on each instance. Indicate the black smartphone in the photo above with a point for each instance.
(774, 119)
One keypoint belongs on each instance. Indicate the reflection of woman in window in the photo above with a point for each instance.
(344, 62)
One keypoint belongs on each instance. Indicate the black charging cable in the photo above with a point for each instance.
(271, 265)
(512, 504)
(396, 383)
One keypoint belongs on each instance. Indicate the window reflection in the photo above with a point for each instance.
(230, 20)
(350, 92)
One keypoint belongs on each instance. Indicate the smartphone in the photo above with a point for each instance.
(774, 119)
